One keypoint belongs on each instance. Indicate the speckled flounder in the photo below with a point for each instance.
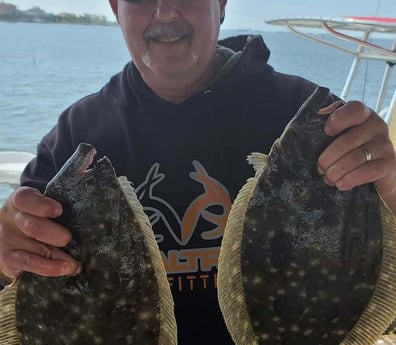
(122, 295)
(301, 262)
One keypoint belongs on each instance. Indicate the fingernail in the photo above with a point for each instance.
(58, 210)
(66, 269)
(78, 271)
(328, 182)
(320, 171)
(342, 187)
(326, 128)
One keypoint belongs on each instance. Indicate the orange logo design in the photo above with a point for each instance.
(214, 194)
(159, 210)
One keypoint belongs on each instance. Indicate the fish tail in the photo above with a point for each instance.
(8, 328)
(257, 160)
(381, 310)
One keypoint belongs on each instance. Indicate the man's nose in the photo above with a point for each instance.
(167, 10)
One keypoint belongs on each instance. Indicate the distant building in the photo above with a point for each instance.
(11, 13)
(66, 15)
(34, 12)
(8, 9)
(92, 19)
(36, 15)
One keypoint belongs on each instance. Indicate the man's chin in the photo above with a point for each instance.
(169, 67)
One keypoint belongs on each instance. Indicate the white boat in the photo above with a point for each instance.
(347, 30)
(12, 164)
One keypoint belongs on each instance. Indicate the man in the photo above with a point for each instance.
(179, 122)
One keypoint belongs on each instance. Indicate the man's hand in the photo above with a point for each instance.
(363, 153)
(29, 240)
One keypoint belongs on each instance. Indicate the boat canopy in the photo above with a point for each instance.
(349, 28)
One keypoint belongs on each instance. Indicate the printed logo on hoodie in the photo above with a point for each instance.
(188, 268)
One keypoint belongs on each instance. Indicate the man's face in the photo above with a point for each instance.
(170, 38)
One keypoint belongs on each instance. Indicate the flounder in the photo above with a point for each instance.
(302, 262)
(122, 295)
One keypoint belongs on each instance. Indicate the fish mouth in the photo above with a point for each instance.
(78, 163)
(84, 164)
(86, 153)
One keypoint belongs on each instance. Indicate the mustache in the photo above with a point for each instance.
(161, 31)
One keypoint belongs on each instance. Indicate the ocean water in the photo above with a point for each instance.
(46, 67)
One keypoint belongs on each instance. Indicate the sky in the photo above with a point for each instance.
(240, 14)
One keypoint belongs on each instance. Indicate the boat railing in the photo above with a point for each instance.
(347, 29)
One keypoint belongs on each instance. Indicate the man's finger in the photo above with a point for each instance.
(21, 261)
(30, 200)
(42, 229)
(351, 114)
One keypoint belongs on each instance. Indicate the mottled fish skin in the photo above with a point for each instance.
(302, 141)
(312, 271)
(122, 295)
(310, 255)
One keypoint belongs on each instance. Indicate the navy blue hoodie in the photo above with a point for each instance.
(187, 162)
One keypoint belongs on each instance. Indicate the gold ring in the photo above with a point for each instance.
(367, 153)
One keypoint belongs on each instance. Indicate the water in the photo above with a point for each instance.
(46, 67)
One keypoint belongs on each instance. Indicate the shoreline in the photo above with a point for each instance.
(12, 14)
(2, 20)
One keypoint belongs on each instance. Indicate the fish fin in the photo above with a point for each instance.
(381, 310)
(8, 329)
(229, 277)
(258, 160)
(168, 331)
